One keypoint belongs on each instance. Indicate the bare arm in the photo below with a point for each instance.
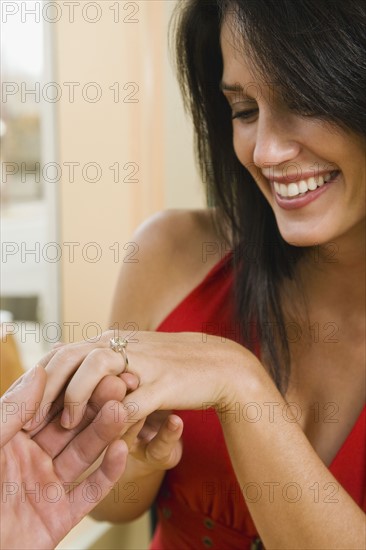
(143, 295)
(294, 500)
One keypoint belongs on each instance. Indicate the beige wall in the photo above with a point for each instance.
(153, 133)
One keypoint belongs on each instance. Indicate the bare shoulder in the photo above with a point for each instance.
(183, 231)
(176, 249)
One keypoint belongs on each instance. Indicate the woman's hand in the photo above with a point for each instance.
(156, 442)
(175, 371)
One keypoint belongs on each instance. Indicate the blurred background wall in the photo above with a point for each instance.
(137, 136)
(94, 140)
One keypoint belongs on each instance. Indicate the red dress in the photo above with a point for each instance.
(200, 504)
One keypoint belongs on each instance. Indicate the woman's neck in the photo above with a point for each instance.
(333, 275)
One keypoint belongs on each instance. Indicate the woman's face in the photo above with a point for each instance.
(312, 175)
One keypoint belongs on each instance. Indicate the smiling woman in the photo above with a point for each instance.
(247, 407)
(295, 97)
(290, 155)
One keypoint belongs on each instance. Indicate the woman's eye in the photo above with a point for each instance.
(244, 115)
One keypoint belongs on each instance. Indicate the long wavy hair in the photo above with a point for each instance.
(314, 52)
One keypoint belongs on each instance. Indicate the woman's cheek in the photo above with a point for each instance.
(243, 147)
(244, 152)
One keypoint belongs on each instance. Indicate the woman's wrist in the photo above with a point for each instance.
(245, 383)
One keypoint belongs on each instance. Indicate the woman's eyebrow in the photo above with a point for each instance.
(236, 88)
(230, 87)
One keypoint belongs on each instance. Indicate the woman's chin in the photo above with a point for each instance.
(304, 237)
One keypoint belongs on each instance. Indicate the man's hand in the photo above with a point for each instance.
(40, 501)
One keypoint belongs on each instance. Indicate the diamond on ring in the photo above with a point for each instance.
(119, 345)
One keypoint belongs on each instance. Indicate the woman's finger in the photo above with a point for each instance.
(60, 369)
(145, 400)
(152, 425)
(53, 438)
(58, 345)
(109, 388)
(60, 364)
(162, 448)
(100, 362)
(132, 433)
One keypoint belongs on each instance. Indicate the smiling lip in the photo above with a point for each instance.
(300, 201)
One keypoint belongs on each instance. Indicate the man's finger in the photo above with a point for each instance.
(100, 482)
(87, 446)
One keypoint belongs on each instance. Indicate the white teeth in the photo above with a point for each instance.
(311, 184)
(302, 186)
(293, 189)
(283, 190)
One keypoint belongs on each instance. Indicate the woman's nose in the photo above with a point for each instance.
(275, 140)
